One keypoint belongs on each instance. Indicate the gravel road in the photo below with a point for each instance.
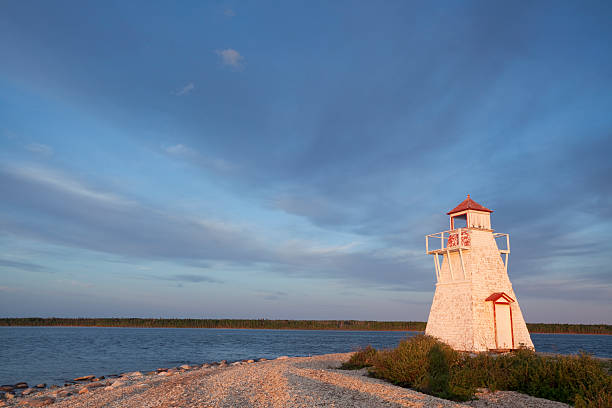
(285, 382)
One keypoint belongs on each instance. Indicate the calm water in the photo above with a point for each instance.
(55, 354)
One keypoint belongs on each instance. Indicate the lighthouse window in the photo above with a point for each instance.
(460, 221)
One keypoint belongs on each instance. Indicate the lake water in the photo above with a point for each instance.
(55, 354)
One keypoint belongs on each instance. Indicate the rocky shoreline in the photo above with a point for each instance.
(282, 382)
(87, 383)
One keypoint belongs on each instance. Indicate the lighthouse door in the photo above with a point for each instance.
(503, 326)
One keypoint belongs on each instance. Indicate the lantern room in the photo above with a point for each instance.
(470, 214)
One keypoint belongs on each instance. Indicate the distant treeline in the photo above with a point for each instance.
(217, 323)
(279, 324)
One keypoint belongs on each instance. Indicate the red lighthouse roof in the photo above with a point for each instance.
(468, 204)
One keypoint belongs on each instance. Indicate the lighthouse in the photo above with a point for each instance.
(474, 306)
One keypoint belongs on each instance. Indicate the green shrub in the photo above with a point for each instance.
(422, 363)
(430, 366)
(580, 380)
(360, 359)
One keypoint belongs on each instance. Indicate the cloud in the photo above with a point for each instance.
(184, 277)
(185, 89)
(39, 149)
(180, 150)
(272, 294)
(194, 278)
(61, 211)
(231, 58)
(25, 266)
(75, 284)
(229, 12)
(192, 155)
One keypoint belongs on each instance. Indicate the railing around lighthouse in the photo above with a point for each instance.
(445, 243)
(451, 240)
(503, 244)
(458, 240)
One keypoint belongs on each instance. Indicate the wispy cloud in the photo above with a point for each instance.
(180, 150)
(231, 58)
(59, 181)
(181, 278)
(195, 278)
(185, 89)
(39, 148)
(21, 265)
(229, 12)
(93, 221)
(272, 294)
(185, 152)
(75, 284)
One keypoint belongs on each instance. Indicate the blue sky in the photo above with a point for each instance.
(285, 159)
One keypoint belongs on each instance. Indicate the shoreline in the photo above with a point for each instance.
(85, 379)
(269, 328)
(277, 324)
(281, 382)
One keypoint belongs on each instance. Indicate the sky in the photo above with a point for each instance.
(285, 160)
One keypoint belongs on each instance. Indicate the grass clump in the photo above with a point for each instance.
(422, 363)
(361, 358)
(432, 367)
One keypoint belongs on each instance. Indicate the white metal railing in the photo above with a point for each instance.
(459, 239)
(506, 250)
(450, 240)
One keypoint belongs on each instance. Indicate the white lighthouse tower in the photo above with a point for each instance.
(474, 307)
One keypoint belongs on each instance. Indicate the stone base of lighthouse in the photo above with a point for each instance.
(474, 306)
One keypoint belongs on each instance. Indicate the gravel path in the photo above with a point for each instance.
(281, 383)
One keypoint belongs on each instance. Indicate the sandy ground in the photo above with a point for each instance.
(289, 382)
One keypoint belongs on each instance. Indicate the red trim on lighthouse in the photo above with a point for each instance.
(495, 296)
(468, 204)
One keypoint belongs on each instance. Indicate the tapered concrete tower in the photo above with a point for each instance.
(474, 307)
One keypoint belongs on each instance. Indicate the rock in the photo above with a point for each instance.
(205, 365)
(95, 385)
(43, 385)
(21, 385)
(39, 402)
(164, 373)
(28, 391)
(250, 361)
(282, 358)
(63, 394)
(133, 374)
(236, 363)
(9, 395)
(2, 404)
(84, 390)
(151, 372)
(54, 387)
(85, 378)
(223, 362)
(117, 383)
(6, 388)
(262, 359)
(185, 367)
